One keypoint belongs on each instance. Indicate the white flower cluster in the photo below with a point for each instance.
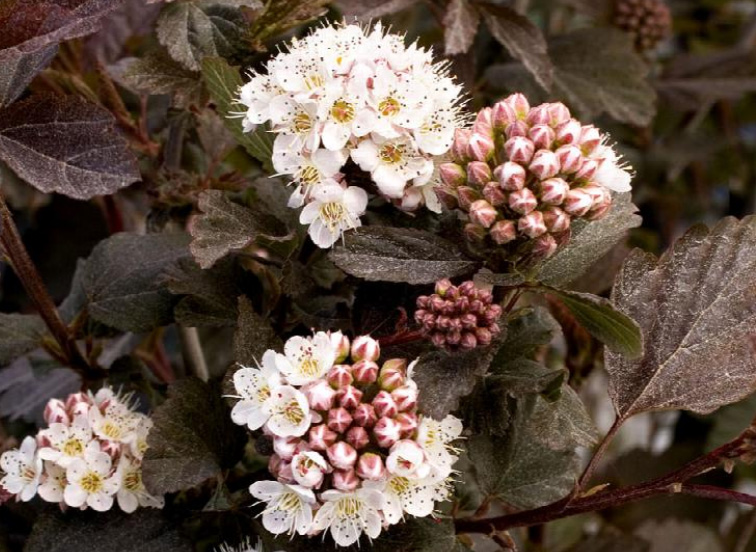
(351, 92)
(352, 454)
(88, 457)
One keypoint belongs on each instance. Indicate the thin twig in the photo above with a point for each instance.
(191, 348)
(596, 458)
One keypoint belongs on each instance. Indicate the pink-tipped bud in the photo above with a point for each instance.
(478, 173)
(590, 137)
(365, 348)
(519, 104)
(558, 113)
(286, 447)
(577, 203)
(598, 193)
(587, 169)
(556, 220)
(392, 374)
(459, 146)
(484, 117)
(532, 224)
(468, 341)
(342, 455)
(407, 459)
(483, 336)
(320, 395)
(281, 469)
(553, 191)
(345, 480)
(386, 432)
(341, 345)
(447, 197)
(321, 437)
(365, 371)
(542, 136)
(481, 146)
(502, 115)
(385, 405)
(467, 196)
(539, 115)
(358, 437)
(493, 193)
(569, 132)
(522, 201)
(370, 466)
(111, 448)
(56, 413)
(545, 164)
(492, 313)
(544, 246)
(452, 174)
(364, 415)
(519, 149)
(518, 128)
(76, 399)
(570, 159)
(483, 213)
(349, 396)
(339, 376)
(405, 397)
(474, 233)
(339, 419)
(511, 176)
(503, 231)
(600, 211)
(309, 469)
(408, 424)
(443, 287)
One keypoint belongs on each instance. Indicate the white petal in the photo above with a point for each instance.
(323, 236)
(277, 521)
(309, 214)
(355, 199)
(101, 463)
(345, 532)
(329, 162)
(265, 490)
(127, 501)
(100, 502)
(366, 155)
(74, 496)
(335, 135)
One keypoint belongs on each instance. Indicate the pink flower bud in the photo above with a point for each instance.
(459, 146)
(281, 469)
(553, 191)
(285, 447)
(518, 128)
(474, 233)
(111, 448)
(452, 174)
(532, 224)
(308, 469)
(587, 169)
(55, 412)
(480, 147)
(484, 117)
(319, 394)
(370, 466)
(522, 201)
(598, 193)
(339, 420)
(556, 220)
(407, 459)
(599, 211)
(492, 313)
(570, 158)
(365, 371)
(483, 336)
(345, 480)
(542, 136)
(408, 424)
(519, 149)
(342, 455)
(511, 176)
(483, 213)
(502, 114)
(405, 397)
(467, 196)
(384, 404)
(569, 132)
(443, 287)
(358, 437)
(519, 104)
(478, 173)
(364, 415)
(468, 289)
(321, 437)
(544, 246)
(75, 399)
(341, 345)
(365, 348)
(494, 194)
(447, 197)
(503, 231)
(590, 137)
(558, 113)
(468, 341)
(386, 432)
(339, 376)
(539, 115)
(392, 374)
(544, 164)
(577, 203)
(349, 396)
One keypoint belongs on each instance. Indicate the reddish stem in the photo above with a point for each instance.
(401, 338)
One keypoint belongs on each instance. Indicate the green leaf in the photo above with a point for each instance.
(19, 334)
(696, 307)
(460, 26)
(123, 284)
(528, 330)
(386, 254)
(604, 322)
(522, 39)
(223, 83)
(66, 145)
(589, 241)
(158, 73)
(562, 424)
(598, 70)
(193, 438)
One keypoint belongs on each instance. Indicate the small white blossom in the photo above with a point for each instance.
(131, 492)
(349, 514)
(23, 469)
(612, 173)
(435, 437)
(254, 387)
(288, 508)
(113, 419)
(66, 442)
(391, 162)
(90, 480)
(289, 412)
(401, 495)
(332, 211)
(54, 483)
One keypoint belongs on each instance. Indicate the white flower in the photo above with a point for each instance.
(289, 412)
(435, 437)
(398, 103)
(254, 386)
(407, 459)
(349, 514)
(66, 442)
(298, 120)
(54, 483)
(332, 211)
(131, 492)
(139, 443)
(401, 495)
(612, 173)
(309, 170)
(90, 481)
(309, 468)
(113, 419)
(257, 95)
(391, 163)
(288, 507)
(23, 469)
(306, 359)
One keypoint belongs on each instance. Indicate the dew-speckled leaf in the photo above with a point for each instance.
(673, 535)
(193, 438)
(158, 73)
(254, 335)
(66, 145)
(589, 241)
(598, 71)
(460, 26)
(527, 330)
(562, 424)
(385, 254)
(696, 306)
(522, 39)
(19, 334)
(132, 18)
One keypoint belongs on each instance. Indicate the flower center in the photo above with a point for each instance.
(391, 153)
(342, 111)
(73, 447)
(293, 412)
(132, 481)
(332, 214)
(28, 474)
(310, 367)
(314, 81)
(289, 502)
(91, 482)
(302, 122)
(399, 485)
(349, 507)
(112, 431)
(309, 175)
(389, 107)
(263, 394)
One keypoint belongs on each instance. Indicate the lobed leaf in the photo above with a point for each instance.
(254, 335)
(460, 26)
(19, 334)
(562, 424)
(158, 73)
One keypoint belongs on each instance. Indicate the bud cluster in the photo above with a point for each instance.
(649, 21)
(523, 174)
(89, 456)
(345, 429)
(458, 317)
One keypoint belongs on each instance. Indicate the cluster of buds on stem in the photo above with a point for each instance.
(458, 317)
(649, 21)
(524, 174)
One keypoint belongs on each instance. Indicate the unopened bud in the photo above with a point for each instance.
(386, 432)
(319, 395)
(370, 466)
(447, 197)
(503, 231)
(519, 104)
(365, 371)
(599, 211)
(569, 132)
(349, 396)
(544, 246)
(405, 397)
(484, 117)
(532, 224)
(478, 173)
(339, 376)
(587, 169)
(590, 137)
(474, 233)
(480, 146)
(408, 424)
(321, 437)
(452, 175)
(553, 191)
(539, 115)
(365, 348)
(570, 158)
(358, 437)
(345, 480)
(443, 287)
(518, 128)
(468, 341)
(483, 336)
(342, 455)
(55, 412)
(339, 419)
(364, 415)
(556, 220)
(285, 447)
(459, 147)
(392, 374)
(519, 149)
(558, 114)
(598, 193)
(341, 345)
(467, 196)
(502, 115)
(522, 201)
(577, 203)
(545, 164)
(511, 176)
(483, 213)
(384, 404)
(494, 194)
(542, 136)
